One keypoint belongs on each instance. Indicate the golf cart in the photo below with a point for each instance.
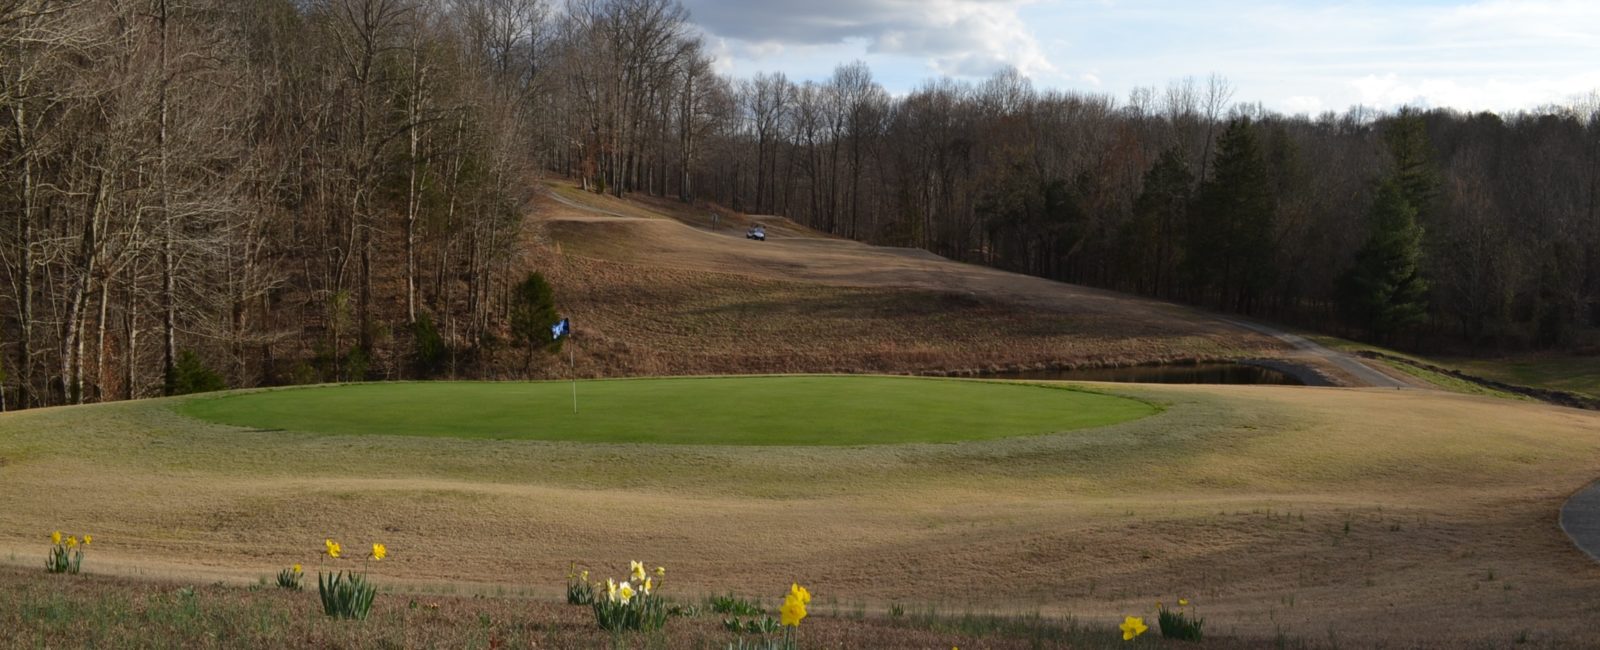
(757, 232)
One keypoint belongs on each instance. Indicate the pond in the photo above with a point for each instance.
(1202, 373)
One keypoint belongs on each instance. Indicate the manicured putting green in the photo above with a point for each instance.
(809, 410)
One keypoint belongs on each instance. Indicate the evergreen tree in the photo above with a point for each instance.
(1231, 228)
(1154, 235)
(1385, 288)
(533, 311)
(1406, 138)
(190, 375)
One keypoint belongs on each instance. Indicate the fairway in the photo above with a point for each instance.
(776, 410)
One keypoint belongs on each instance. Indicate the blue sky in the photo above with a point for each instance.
(1293, 56)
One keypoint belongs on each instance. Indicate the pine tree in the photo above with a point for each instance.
(1159, 215)
(1385, 288)
(1406, 138)
(533, 311)
(1231, 228)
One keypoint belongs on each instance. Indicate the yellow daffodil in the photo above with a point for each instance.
(297, 568)
(584, 576)
(87, 539)
(661, 571)
(647, 586)
(636, 570)
(800, 593)
(379, 551)
(72, 542)
(55, 537)
(611, 590)
(1132, 627)
(625, 592)
(1183, 602)
(332, 548)
(793, 612)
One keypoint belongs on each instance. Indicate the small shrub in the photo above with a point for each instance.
(304, 373)
(291, 578)
(66, 554)
(1180, 625)
(429, 352)
(356, 364)
(634, 605)
(347, 594)
(190, 375)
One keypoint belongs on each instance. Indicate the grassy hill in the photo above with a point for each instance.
(656, 292)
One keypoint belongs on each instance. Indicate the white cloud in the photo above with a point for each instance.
(1303, 104)
(1298, 55)
(970, 38)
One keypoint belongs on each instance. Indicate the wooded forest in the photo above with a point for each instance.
(203, 192)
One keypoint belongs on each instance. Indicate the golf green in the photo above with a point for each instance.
(770, 410)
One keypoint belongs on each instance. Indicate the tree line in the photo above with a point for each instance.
(1424, 228)
(204, 192)
(256, 192)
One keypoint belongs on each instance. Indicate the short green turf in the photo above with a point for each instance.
(778, 410)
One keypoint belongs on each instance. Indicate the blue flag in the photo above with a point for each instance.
(560, 329)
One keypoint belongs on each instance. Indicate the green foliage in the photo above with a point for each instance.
(785, 642)
(1152, 243)
(291, 578)
(533, 311)
(642, 613)
(1176, 624)
(429, 352)
(736, 606)
(355, 365)
(1033, 221)
(346, 595)
(304, 373)
(190, 375)
(579, 591)
(1406, 138)
(1385, 289)
(64, 558)
(757, 626)
(1230, 235)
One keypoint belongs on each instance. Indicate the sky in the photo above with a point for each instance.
(1294, 56)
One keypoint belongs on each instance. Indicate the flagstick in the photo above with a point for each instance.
(572, 358)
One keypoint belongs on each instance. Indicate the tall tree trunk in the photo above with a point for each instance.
(169, 301)
(25, 289)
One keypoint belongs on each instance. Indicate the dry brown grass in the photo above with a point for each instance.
(1302, 510)
(97, 611)
(655, 296)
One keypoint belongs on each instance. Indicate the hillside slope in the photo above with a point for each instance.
(656, 291)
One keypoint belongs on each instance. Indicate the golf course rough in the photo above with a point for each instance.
(760, 410)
